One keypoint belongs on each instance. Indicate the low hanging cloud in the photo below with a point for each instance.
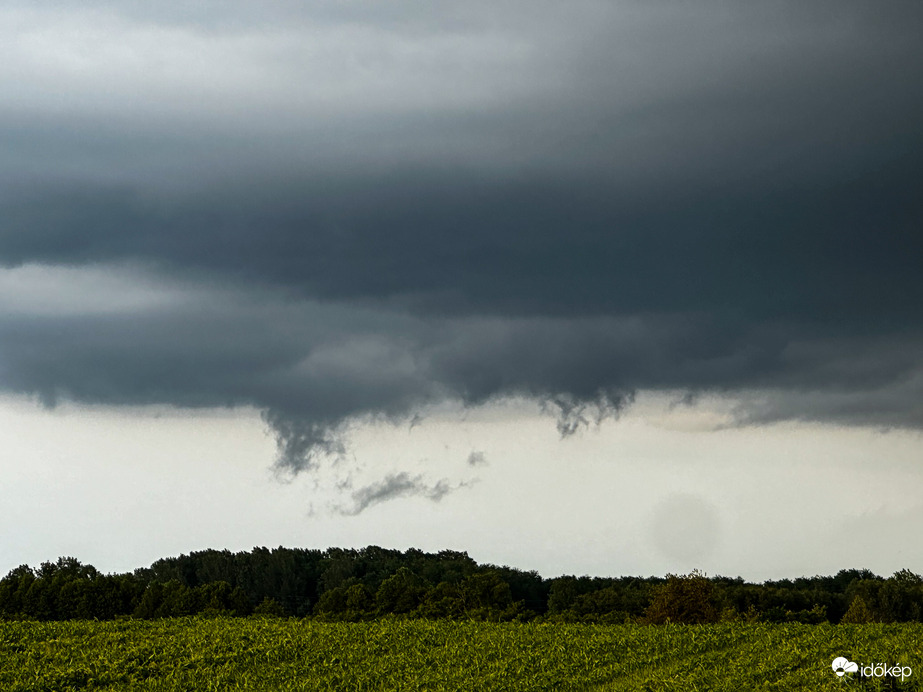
(355, 212)
(316, 369)
(394, 486)
(575, 413)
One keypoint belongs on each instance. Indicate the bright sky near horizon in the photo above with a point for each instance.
(599, 286)
(660, 490)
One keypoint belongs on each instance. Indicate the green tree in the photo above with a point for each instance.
(269, 607)
(858, 612)
(486, 596)
(402, 592)
(688, 599)
(443, 601)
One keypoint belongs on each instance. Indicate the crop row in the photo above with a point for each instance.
(288, 654)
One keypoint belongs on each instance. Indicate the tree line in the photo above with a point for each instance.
(368, 583)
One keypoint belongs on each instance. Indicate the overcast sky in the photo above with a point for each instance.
(607, 287)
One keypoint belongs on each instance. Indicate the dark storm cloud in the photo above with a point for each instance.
(369, 209)
(844, 250)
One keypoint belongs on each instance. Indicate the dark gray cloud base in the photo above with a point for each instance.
(570, 207)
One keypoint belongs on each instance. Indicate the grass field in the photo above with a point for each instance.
(267, 654)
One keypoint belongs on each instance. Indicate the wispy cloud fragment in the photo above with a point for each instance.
(477, 458)
(398, 485)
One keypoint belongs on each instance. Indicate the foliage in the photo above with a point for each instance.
(269, 607)
(359, 585)
(689, 599)
(299, 655)
(859, 613)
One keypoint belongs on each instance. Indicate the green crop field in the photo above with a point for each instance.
(279, 654)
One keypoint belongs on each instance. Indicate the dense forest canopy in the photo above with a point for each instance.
(372, 582)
